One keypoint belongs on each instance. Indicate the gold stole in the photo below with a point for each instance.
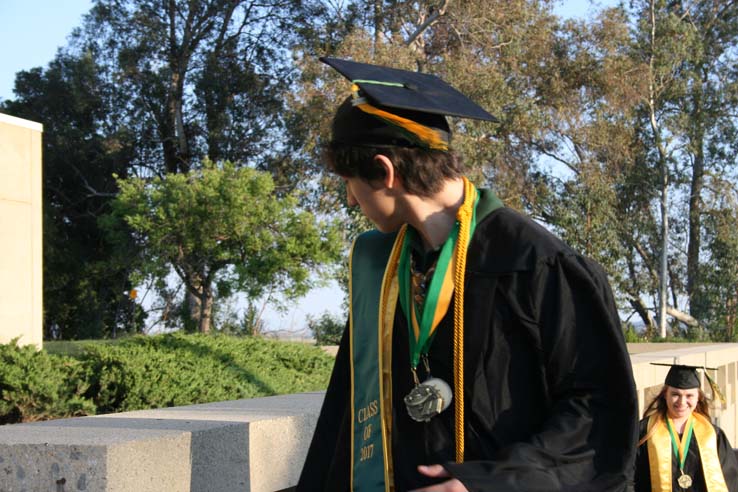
(660, 454)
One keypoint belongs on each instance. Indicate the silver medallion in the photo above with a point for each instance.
(684, 481)
(428, 399)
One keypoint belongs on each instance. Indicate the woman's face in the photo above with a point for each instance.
(680, 403)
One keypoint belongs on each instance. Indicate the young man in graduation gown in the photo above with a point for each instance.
(482, 353)
(680, 449)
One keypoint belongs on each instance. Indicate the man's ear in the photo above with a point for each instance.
(390, 179)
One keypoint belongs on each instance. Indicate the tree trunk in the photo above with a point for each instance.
(695, 199)
(730, 317)
(194, 310)
(643, 312)
(178, 62)
(682, 317)
(378, 24)
(206, 302)
(664, 202)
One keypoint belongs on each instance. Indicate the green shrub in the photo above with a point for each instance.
(37, 386)
(326, 328)
(174, 370)
(630, 334)
(151, 372)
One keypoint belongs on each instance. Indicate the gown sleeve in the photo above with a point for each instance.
(642, 474)
(728, 461)
(327, 465)
(587, 439)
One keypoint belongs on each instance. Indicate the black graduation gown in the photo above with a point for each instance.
(550, 400)
(692, 465)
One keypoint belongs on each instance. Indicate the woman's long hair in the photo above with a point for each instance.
(658, 406)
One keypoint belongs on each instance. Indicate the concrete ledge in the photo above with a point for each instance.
(244, 445)
(254, 445)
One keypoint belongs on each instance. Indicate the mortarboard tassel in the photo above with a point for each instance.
(426, 135)
(716, 393)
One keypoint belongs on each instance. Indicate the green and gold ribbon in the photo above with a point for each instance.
(423, 320)
(681, 445)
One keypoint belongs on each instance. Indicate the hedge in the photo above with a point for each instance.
(153, 372)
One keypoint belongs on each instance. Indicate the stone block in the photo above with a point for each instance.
(256, 445)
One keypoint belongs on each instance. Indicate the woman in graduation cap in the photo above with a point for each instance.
(481, 353)
(679, 448)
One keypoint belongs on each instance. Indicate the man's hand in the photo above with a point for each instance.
(437, 471)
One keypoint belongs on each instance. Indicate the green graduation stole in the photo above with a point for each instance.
(371, 318)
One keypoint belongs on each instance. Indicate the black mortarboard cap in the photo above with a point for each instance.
(685, 377)
(414, 91)
(682, 376)
(419, 97)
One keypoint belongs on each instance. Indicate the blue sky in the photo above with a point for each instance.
(33, 30)
(31, 33)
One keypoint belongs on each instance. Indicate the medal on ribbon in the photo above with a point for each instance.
(681, 448)
(432, 396)
(684, 481)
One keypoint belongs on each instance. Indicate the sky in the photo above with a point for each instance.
(32, 32)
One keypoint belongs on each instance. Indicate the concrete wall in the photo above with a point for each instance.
(20, 225)
(245, 445)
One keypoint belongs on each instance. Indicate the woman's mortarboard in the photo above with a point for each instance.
(685, 377)
(682, 377)
(392, 107)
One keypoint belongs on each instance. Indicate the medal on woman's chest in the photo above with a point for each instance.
(680, 446)
(684, 481)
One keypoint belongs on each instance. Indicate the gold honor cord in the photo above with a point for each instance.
(466, 217)
(424, 134)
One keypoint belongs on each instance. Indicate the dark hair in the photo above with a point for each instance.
(658, 406)
(422, 171)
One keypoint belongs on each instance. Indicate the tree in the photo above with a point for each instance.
(83, 145)
(201, 79)
(689, 108)
(708, 123)
(145, 88)
(222, 229)
(327, 328)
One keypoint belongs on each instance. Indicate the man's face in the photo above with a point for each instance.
(377, 202)
(681, 403)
